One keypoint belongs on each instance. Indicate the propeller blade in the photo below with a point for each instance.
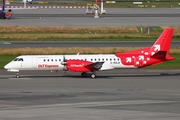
(64, 61)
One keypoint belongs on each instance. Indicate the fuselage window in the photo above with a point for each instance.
(110, 59)
(48, 60)
(59, 59)
(52, 60)
(94, 59)
(99, 59)
(114, 59)
(44, 60)
(106, 59)
(56, 60)
(103, 59)
(91, 59)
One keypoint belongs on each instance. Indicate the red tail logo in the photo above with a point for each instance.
(156, 54)
(163, 43)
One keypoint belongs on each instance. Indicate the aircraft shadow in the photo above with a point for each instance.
(101, 76)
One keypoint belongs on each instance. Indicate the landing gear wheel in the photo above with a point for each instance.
(17, 75)
(84, 74)
(93, 76)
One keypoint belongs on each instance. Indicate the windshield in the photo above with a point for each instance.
(18, 59)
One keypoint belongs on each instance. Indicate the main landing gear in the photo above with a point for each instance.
(17, 75)
(84, 74)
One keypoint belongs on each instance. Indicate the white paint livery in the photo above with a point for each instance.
(53, 62)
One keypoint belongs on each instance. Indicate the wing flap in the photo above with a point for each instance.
(96, 65)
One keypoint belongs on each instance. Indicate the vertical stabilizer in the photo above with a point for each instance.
(156, 54)
(163, 44)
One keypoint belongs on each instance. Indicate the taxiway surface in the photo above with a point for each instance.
(124, 94)
(150, 94)
(13, 44)
(114, 17)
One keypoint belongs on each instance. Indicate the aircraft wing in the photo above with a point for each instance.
(83, 66)
(96, 65)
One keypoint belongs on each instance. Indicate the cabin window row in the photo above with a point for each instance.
(95, 59)
(106, 59)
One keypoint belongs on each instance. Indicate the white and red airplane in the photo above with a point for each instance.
(156, 54)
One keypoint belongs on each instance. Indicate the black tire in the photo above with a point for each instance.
(84, 74)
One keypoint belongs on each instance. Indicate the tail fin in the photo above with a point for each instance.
(156, 54)
(162, 45)
(164, 41)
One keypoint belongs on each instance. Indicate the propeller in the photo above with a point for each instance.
(64, 63)
(64, 60)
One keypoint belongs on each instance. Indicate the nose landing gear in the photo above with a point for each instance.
(93, 76)
(17, 75)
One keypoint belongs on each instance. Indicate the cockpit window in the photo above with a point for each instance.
(20, 59)
(16, 59)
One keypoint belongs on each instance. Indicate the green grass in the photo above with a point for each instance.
(5, 59)
(154, 29)
(82, 33)
(169, 64)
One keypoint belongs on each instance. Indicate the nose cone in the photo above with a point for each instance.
(6, 66)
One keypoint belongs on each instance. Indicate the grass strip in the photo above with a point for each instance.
(82, 33)
(71, 50)
(5, 59)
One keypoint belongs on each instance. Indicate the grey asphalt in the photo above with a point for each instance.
(141, 94)
(123, 94)
(102, 16)
(78, 17)
(32, 44)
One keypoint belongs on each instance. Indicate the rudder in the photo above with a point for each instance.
(163, 43)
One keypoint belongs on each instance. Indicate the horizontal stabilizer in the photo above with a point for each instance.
(162, 55)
